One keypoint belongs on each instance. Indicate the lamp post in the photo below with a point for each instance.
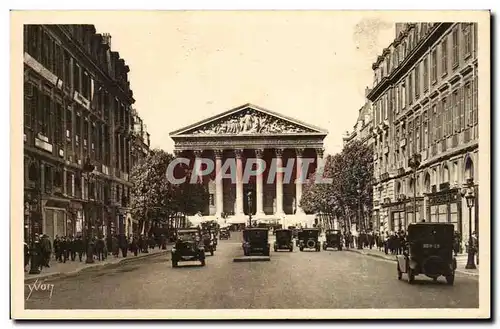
(414, 163)
(249, 202)
(360, 221)
(87, 169)
(468, 193)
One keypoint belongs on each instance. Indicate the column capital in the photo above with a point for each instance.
(197, 153)
(279, 152)
(218, 153)
(259, 153)
(319, 152)
(299, 152)
(238, 153)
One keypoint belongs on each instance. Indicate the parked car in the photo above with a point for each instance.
(429, 251)
(333, 239)
(309, 239)
(255, 241)
(188, 247)
(283, 240)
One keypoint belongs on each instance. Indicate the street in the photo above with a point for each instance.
(327, 280)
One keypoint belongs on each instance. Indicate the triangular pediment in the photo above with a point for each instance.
(248, 120)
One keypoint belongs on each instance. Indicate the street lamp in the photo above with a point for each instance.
(414, 163)
(88, 168)
(249, 200)
(468, 193)
(360, 222)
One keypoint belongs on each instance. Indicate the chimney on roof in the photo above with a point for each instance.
(106, 39)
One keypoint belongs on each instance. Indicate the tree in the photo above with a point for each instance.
(154, 197)
(351, 169)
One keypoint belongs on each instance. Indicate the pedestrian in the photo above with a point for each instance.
(134, 247)
(63, 245)
(457, 241)
(71, 248)
(46, 248)
(100, 248)
(57, 248)
(387, 238)
(114, 245)
(78, 247)
(26, 255)
(123, 243)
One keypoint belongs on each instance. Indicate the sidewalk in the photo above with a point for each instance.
(72, 268)
(461, 259)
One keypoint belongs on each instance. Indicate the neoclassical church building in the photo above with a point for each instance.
(251, 132)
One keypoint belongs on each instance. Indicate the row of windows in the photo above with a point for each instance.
(449, 115)
(45, 115)
(461, 38)
(41, 46)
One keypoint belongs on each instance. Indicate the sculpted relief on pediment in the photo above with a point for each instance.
(250, 122)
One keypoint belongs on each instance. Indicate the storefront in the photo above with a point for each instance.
(445, 207)
(54, 217)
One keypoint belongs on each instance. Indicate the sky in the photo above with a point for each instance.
(186, 66)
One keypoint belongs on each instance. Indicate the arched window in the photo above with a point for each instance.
(446, 174)
(427, 183)
(469, 168)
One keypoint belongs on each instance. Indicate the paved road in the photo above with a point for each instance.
(328, 279)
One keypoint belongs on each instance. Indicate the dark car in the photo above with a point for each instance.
(429, 251)
(283, 240)
(188, 247)
(224, 234)
(255, 241)
(333, 239)
(309, 239)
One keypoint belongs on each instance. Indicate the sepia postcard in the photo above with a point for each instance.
(197, 164)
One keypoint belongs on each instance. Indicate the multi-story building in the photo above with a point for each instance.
(141, 143)
(425, 103)
(363, 128)
(77, 111)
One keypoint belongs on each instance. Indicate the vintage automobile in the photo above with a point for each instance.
(309, 239)
(255, 241)
(188, 247)
(208, 242)
(429, 251)
(333, 239)
(224, 234)
(283, 240)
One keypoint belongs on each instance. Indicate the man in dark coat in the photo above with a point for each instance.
(100, 249)
(123, 244)
(78, 246)
(71, 248)
(134, 247)
(57, 248)
(63, 246)
(46, 248)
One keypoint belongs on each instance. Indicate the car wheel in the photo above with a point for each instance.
(411, 275)
(450, 279)
(400, 274)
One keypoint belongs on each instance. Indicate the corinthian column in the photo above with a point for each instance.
(197, 154)
(239, 183)
(260, 184)
(299, 180)
(219, 205)
(279, 182)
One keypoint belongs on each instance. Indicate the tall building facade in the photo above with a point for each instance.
(77, 111)
(425, 102)
(363, 128)
(141, 142)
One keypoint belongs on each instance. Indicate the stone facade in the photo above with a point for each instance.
(251, 132)
(425, 102)
(77, 107)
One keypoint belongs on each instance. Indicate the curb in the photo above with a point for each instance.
(389, 258)
(58, 275)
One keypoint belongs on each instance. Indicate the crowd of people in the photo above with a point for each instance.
(69, 248)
